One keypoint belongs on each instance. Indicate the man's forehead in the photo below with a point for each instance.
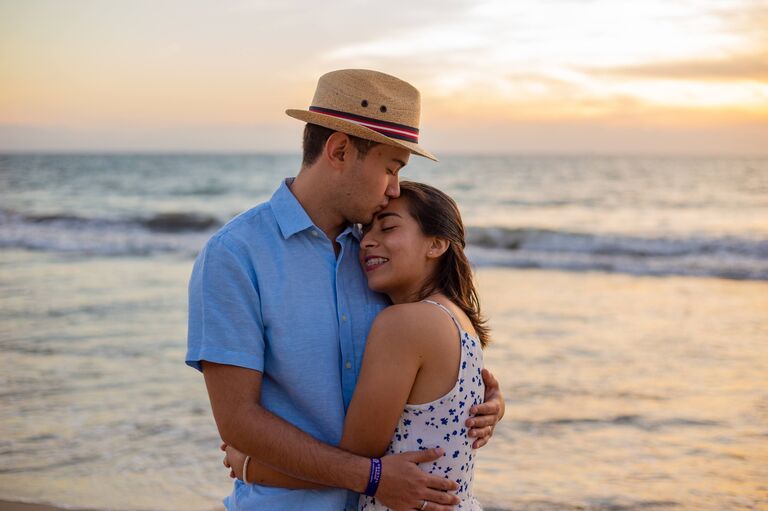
(393, 154)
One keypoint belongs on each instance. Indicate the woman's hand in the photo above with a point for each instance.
(487, 414)
(233, 460)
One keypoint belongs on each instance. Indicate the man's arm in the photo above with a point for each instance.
(259, 473)
(235, 392)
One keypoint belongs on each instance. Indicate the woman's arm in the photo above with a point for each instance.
(392, 359)
(393, 356)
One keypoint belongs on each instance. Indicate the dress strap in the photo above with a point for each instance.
(447, 311)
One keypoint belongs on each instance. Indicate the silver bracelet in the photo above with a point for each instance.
(245, 469)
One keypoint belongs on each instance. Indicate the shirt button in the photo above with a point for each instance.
(343, 317)
(348, 365)
(315, 234)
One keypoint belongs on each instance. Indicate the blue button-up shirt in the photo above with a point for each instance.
(268, 293)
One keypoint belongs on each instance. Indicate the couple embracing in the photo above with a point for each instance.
(337, 325)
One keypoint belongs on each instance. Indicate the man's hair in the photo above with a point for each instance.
(315, 138)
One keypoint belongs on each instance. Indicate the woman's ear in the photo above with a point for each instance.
(437, 247)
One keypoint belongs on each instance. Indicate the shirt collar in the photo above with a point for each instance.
(289, 214)
(355, 230)
(292, 218)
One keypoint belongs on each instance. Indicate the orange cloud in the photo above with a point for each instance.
(748, 67)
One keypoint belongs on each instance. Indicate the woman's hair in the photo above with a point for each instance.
(438, 215)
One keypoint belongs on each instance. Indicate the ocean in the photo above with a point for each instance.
(628, 298)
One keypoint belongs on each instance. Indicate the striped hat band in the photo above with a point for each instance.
(389, 129)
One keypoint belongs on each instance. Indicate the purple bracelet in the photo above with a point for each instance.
(374, 477)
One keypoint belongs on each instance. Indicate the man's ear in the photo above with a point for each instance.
(337, 149)
(437, 247)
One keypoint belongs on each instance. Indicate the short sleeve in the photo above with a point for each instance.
(225, 322)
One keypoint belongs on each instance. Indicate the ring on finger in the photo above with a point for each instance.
(423, 505)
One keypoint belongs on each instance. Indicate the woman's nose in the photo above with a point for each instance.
(368, 241)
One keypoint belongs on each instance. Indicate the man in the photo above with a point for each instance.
(279, 308)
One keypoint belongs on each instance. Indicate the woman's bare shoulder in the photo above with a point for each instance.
(418, 323)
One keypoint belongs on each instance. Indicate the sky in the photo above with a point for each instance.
(496, 76)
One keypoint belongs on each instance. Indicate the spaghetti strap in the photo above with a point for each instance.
(447, 311)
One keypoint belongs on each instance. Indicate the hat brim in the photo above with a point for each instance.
(356, 130)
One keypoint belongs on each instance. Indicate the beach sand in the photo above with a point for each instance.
(655, 384)
(21, 506)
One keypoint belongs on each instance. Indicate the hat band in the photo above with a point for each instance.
(389, 129)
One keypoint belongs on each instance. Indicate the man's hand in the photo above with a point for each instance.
(487, 414)
(404, 485)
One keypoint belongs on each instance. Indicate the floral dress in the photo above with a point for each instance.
(441, 423)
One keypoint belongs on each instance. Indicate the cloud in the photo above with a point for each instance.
(559, 57)
(750, 67)
(478, 62)
(607, 137)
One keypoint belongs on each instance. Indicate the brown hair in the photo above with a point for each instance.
(438, 215)
(315, 137)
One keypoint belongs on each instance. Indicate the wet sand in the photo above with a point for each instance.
(623, 393)
(21, 506)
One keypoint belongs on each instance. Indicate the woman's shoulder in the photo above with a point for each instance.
(412, 314)
(418, 323)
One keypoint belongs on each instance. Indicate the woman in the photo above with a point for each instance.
(416, 380)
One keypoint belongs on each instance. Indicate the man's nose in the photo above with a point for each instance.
(393, 190)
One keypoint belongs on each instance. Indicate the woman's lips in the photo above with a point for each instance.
(373, 262)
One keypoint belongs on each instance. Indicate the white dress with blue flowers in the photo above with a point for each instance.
(442, 423)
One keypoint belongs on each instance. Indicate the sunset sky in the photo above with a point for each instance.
(606, 76)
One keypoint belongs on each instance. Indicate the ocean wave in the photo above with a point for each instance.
(163, 222)
(166, 232)
(174, 222)
(543, 240)
(730, 257)
(635, 421)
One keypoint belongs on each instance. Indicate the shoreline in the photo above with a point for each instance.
(12, 505)
(8, 505)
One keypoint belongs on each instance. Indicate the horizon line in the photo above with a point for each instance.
(459, 153)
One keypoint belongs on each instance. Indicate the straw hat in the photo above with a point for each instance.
(367, 104)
